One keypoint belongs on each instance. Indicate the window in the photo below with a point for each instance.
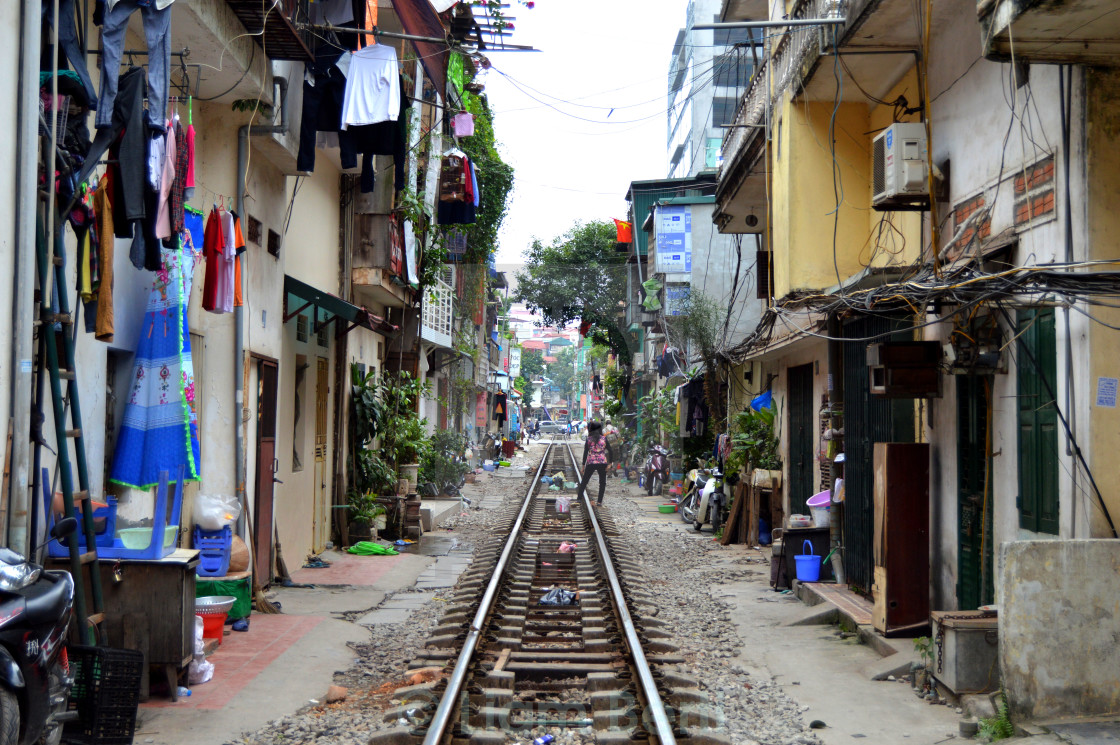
(733, 69)
(723, 110)
(1036, 373)
(301, 328)
(323, 336)
(712, 152)
(254, 227)
(274, 243)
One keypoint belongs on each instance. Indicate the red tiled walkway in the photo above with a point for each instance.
(242, 657)
(347, 569)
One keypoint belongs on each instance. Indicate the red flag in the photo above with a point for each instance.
(625, 234)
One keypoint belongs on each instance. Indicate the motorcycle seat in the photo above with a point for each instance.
(47, 599)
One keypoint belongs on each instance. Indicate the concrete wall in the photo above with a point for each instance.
(1058, 627)
(970, 117)
(1103, 225)
(804, 196)
(10, 22)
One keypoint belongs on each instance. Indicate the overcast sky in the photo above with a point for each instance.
(573, 157)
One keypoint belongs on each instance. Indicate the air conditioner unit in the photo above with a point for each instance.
(909, 369)
(900, 159)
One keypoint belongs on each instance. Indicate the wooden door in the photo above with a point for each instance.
(801, 436)
(321, 525)
(266, 469)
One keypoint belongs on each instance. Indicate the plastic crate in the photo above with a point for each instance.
(105, 695)
(214, 549)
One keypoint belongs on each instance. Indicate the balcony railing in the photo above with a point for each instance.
(435, 323)
(791, 59)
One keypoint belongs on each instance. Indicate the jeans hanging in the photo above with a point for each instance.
(157, 33)
(68, 41)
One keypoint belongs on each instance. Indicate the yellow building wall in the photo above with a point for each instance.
(805, 199)
(1103, 194)
(893, 238)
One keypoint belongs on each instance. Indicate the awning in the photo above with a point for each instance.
(419, 19)
(300, 297)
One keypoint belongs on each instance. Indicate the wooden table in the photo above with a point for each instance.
(151, 609)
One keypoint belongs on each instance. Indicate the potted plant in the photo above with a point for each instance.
(443, 463)
(403, 437)
(755, 441)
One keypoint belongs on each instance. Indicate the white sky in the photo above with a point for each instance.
(596, 54)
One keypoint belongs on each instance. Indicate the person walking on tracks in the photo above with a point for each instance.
(597, 453)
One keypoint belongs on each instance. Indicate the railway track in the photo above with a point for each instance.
(598, 670)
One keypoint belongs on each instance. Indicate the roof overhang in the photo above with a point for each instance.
(300, 297)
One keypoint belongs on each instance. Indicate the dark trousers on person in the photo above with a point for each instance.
(590, 468)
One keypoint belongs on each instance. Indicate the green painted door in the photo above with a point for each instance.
(974, 502)
(801, 436)
(1036, 365)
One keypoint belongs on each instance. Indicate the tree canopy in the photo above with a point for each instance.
(579, 277)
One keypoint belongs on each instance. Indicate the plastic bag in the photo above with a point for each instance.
(559, 596)
(368, 548)
(201, 670)
(214, 512)
(563, 504)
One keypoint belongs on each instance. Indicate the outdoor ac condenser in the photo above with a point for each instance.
(900, 159)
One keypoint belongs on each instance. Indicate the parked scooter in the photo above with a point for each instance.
(706, 501)
(35, 678)
(655, 471)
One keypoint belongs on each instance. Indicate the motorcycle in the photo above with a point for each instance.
(706, 501)
(35, 677)
(655, 471)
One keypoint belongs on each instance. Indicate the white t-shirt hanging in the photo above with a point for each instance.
(373, 88)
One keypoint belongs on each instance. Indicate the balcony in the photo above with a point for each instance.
(377, 264)
(1083, 32)
(741, 188)
(279, 28)
(435, 322)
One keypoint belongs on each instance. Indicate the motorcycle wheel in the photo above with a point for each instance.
(656, 486)
(717, 519)
(9, 718)
(649, 486)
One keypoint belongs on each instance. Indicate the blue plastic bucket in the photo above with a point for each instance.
(808, 564)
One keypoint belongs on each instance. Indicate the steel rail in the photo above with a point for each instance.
(665, 734)
(442, 717)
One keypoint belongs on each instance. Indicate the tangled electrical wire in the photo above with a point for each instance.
(960, 289)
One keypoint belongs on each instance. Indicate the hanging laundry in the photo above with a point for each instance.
(188, 185)
(179, 184)
(217, 290)
(383, 138)
(167, 169)
(159, 431)
(324, 90)
(156, 19)
(462, 124)
(234, 245)
(68, 42)
(126, 140)
(103, 221)
(373, 88)
(457, 190)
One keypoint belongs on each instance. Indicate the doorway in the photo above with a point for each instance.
(320, 527)
(266, 469)
(974, 501)
(801, 437)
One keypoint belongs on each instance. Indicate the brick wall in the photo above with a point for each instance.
(1034, 192)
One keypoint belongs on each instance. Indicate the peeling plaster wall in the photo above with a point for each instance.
(1059, 625)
